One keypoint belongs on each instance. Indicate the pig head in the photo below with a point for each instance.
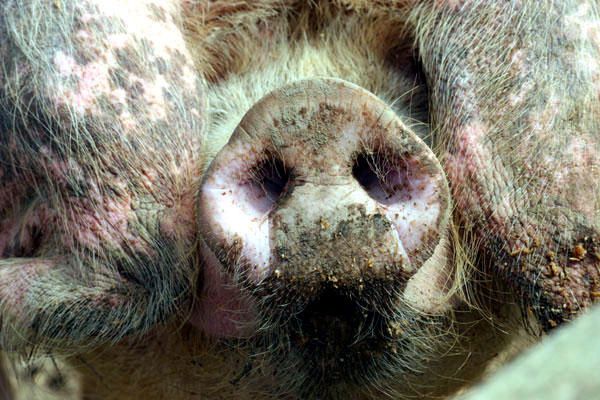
(326, 230)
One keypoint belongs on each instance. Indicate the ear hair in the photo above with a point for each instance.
(46, 305)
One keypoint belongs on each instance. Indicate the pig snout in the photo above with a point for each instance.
(325, 205)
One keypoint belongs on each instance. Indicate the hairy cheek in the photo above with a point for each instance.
(453, 5)
(104, 224)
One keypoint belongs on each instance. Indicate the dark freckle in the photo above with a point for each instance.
(108, 25)
(178, 57)
(137, 90)
(32, 371)
(111, 108)
(118, 78)
(132, 104)
(129, 59)
(161, 65)
(158, 13)
(57, 382)
(124, 57)
(85, 57)
(146, 46)
(175, 75)
(162, 126)
(167, 95)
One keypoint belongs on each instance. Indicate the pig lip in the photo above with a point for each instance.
(338, 338)
(343, 340)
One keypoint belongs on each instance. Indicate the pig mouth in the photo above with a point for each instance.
(339, 343)
(341, 337)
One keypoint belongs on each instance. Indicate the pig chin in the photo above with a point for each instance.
(325, 235)
(336, 339)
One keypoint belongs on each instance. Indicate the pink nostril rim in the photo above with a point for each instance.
(406, 189)
(237, 196)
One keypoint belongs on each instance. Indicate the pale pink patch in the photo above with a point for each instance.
(16, 279)
(454, 5)
(92, 81)
(153, 95)
(541, 124)
(118, 40)
(580, 25)
(140, 22)
(521, 69)
(519, 97)
(83, 35)
(128, 121)
(87, 17)
(64, 64)
(470, 143)
(518, 60)
(118, 96)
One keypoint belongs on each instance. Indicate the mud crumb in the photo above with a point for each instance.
(579, 252)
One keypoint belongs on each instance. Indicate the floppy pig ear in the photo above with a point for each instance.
(101, 124)
(523, 170)
(43, 304)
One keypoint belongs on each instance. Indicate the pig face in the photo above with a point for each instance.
(299, 193)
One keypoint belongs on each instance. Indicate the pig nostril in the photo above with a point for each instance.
(383, 176)
(363, 171)
(270, 181)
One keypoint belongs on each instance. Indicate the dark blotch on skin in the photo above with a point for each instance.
(161, 65)
(130, 60)
(137, 90)
(118, 78)
(158, 13)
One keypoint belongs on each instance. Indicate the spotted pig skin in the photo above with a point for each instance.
(114, 115)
